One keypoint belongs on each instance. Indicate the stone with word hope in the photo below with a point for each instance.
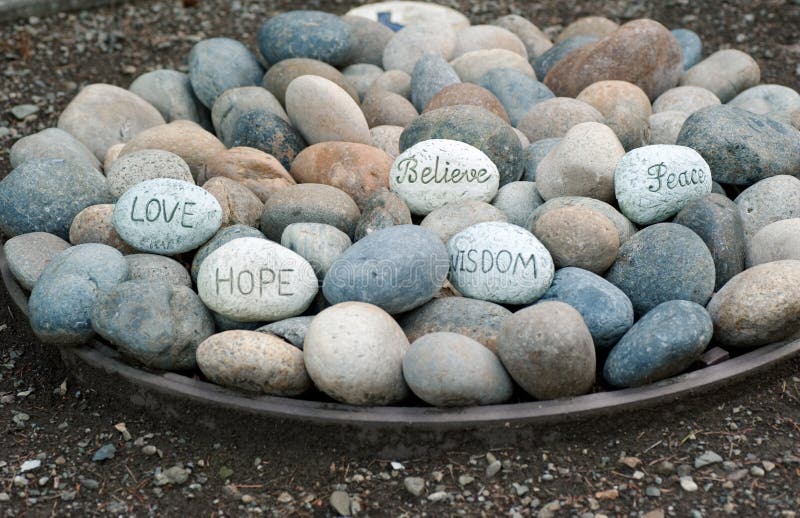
(255, 280)
(166, 216)
(435, 172)
(499, 262)
(653, 183)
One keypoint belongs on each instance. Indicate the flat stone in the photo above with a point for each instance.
(147, 164)
(340, 502)
(708, 458)
(263, 174)
(518, 200)
(384, 108)
(28, 254)
(774, 101)
(517, 91)
(270, 134)
(225, 235)
(382, 209)
(51, 143)
(305, 34)
(309, 203)
(626, 109)
(368, 39)
(687, 99)
(431, 74)
(94, 225)
(171, 93)
(625, 229)
(552, 118)
(293, 330)
(535, 40)
(317, 243)
(361, 75)
(238, 203)
(219, 64)
(23, 111)
(547, 60)
(768, 201)
(473, 65)
(598, 26)
(725, 73)
(412, 42)
(534, 154)
(158, 269)
(414, 485)
(235, 102)
(280, 75)
(775, 242)
(452, 218)
(467, 94)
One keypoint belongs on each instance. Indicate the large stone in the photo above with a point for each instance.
(309, 203)
(158, 269)
(553, 118)
(94, 225)
(305, 34)
(368, 38)
(171, 93)
(51, 143)
(431, 74)
(238, 203)
(473, 65)
(774, 101)
(626, 109)
(263, 174)
(270, 134)
(28, 254)
(625, 229)
(467, 94)
(224, 236)
(598, 26)
(450, 219)
(317, 243)
(768, 201)
(687, 99)
(412, 42)
(725, 72)
(518, 92)
(534, 154)
(776, 242)
(280, 75)
(402, 14)
(518, 200)
(147, 164)
(382, 209)
(535, 40)
(384, 108)
(234, 103)
(219, 64)
(548, 59)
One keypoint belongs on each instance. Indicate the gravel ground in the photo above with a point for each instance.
(66, 450)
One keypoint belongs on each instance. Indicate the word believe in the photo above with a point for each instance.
(409, 173)
(245, 282)
(503, 261)
(660, 178)
(158, 209)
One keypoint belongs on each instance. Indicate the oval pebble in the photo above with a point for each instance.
(309, 203)
(517, 91)
(775, 242)
(293, 330)
(317, 243)
(368, 38)
(270, 134)
(410, 43)
(774, 101)
(51, 143)
(219, 64)
(384, 108)
(598, 26)
(147, 164)
(518, 200)
(431, 74)
(261, 173)
(238, 203)
(305, 34)
(535, 40)
(626, 109)
(725, 73)
(171, 93)
(382, 209)
(235, 102)
(687, 99)
(159, 269)
(94, 225)
(450, 219)
(471, 66)
(768, 201)
(28, 254)
(552, 118)
(534, 154)
(487, 37)
(467, 94)
(691, 45)
(625, 229)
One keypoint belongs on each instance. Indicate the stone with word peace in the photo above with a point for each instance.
(166, 216)
(255, 280)
(435, 172)
(499, 262)
(653, 183)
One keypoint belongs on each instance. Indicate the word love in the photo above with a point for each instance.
(663, 178)
(156, 209)
(436, 172)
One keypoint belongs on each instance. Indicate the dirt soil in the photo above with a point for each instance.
(645, 463)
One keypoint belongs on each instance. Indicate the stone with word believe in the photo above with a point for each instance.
(255, 280)
(775, 242)
(166, 216)
(653, 183)
(435, 172)
(499, 262)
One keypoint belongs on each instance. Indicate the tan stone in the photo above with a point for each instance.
(725, 73)
(239, 204)
(536, 42)
(472, 65)
(687, 99)
(599, 26)
(626, 109)
(281, 74)
(111, 155)
(384, 108)
(470, 94)
(387, 139)
(261, 173)
(94, 225)
(554, 117)
(486, 37)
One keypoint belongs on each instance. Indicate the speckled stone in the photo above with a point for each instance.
(759, 306)
(412, 42)
(625, 229)
(309, 203)
(261, 173)
(552, 118)
(238, 203)
(473, 65)
(534, 154)
(431, 74)
(382, 209)
(775, 101)
(368, 38)
(224, 236)
(598, 26)
(171, 93)
(450, 370)
(665, 127)
(361, 76)
(691, 45)
(387, 139)
(716, 220)
(665, 342)
(450, 219)
(536, 42)
(665, 261)
(305, 34)
(293, 330)
(548, 59)
(93, 225)
(626, 109)
(725, 72)
(253, 362)
(384, 108)
(687, 99)
(467, 94)
(28, 254)
(518, 200)
(269, 133)
(517, 91)
(741, 147)
(148, 164)
(395, 81)
(219, 64)
(776, 242)
(397, 269)
(317, 243)
(112, 155)
(159, 269)
(61, 302)
(487, 37)
(768, 201)
(354, 353)
(476, 127)
(548, 350)
(254, 280)
(278, 77)
(45, 195)
(234, 103)
(51, 143)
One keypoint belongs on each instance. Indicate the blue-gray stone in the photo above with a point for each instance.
(716, 220)
(62, 300)
(517, 92)
(219, 64)
(158, 268)
(398, 269)
(606, 310)
(269, 133)
(741, 147)
(431, 74)
(45, 195)
(157, 324)
(225, 235)
(474, 126)
(172, 95)
(293, 330)
(666, 341)
(105, 452)
(663, 262)
(368, 38)
(223, 323)
(305, 34)
(28, 254)
(51, 143)
(557, 52)
(691, 45)
(534, 154)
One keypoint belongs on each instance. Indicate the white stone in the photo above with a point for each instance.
(254, 280)
(436, 172)
(413, 13)
(166, 216)
(148, 164)
(499, 262)
(686, 99)
(653, 183)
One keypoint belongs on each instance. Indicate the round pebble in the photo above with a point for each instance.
(625, 229)
(471, 66)
(368, 38)
(487, 37)
(280, 75)
(768, 201)
(94, 225)
(518, 200)
(774, 101)
(687, 99)
(235, 102)
(412, 42)
(626, 109)
(270, 134)
(238, 203)
(384, 108)
(317, 243)
(305, 34)
(467, 94)
(159, 269)
(725, 73)
(775, 242)
(51, 143)
(598, 26)
(171, 93)
(309, 203)
(263, 174)
(517, 91)
(431, 74)
(28, 254)
(382, 209)
(219, 64)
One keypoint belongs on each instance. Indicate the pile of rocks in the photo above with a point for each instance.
(418, 205)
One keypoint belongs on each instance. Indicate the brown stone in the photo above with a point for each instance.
(111, 155)
(239, 204)
(278, 77)
(642, 52)
(93, 225)
(554, 117)
(626, 109)
(261, 173)
(395, 81)
(598, 26)
(470, 94)
(384, 108)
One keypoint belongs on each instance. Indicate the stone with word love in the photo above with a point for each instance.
(436, 172)
(653, 183)
(499, 262)
(255, 280)
(166, 216)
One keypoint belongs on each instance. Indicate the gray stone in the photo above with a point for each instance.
(395, 81)
(361, 76)
(159, 269)
(414, 485)
(517, 91)
(534, 154)
(412, 42)
(171, 93)
(774, 101)
(768, 201)
(536, 42)
(51, 143)
(487, 37)
(691, 45)
(309, 203)
(625, 229)
(518, 200)
(384, 108)
(28, 255)
(23, 111)
(317, 243)
(225, 235)
(368, 38)
(340, 501)
(775, 242)
(473, 65)
(387, 139)
(450, 219)
(665, 127)
(148, 164)
(305, 34)
(687, 99)
(235, 102)
(269, 133)
(219, 64)
(706, 459)
(548, 59)
(431, 74)
(278, 77)
(382, 209)
(725, 72)
(293, 330)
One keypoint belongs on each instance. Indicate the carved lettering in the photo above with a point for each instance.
(660, 177)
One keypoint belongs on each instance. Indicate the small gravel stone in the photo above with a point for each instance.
(414, 485)
(493, 468)
(688, 484)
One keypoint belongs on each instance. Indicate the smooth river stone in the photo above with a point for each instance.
(410, 43)
(357, 169)
(45, 195)
(397, 269)
(768, 201)
(382, 209)
(548, 350)
(665, 261)
(518, 200)
(548, 59)
(626, 109)
(293, 330)
(598, 26)
(238, 203)
(716, 220)
(317, 243)
(774, 101)
(759, 306)
(171, 93)
(741, 147)
(387, 139)
(499, 262)
(691, 45)
(642, 52)
(405, 13)
(487, 37)
(309, 97)
(261, 173)
(305, 34)
(61, 302)
(269, 134)
(625, 229)
(534, 154)
(368, 38)
(467, 94)
(253, 362)
(436, 172)
(518, 92)
(665, 127)
(280, 75)
(687, 99)
(450, 370)
(776, 242)
(51, 143)
(167, 217)
(431, 74)
(159, 269)
(102, 115)
(254, 280)
(147, 164)
(665, 342)
(606, 310)
(384, 108)
(94, 225)
(553, 118)
(157, 324)
(219, 64)
(354, 353)
(473, 65)
(725, 73)
(395, 81)
(28, 254)
(474, 126)
(361, 76)
(450, 219)
(224, 236)
(309, 203)
(653, 183)
(535, 40)
(235, 102)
